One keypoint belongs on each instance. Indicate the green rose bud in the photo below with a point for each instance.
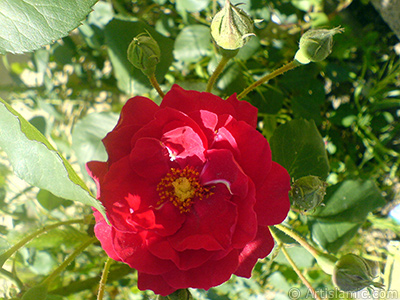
(231, 27)
(183, 294)
(307, 193)
(144, 53)
(353, 273)
(316, 45)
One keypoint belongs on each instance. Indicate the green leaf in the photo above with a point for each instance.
(118, 35)
(192, 43)
(87, 135)
(301, 257)
(347, 205)
(48, 201)
(332, 235)
(307, 92)
(36, 161)
(299, 148)
(38, 292)
(26, 25)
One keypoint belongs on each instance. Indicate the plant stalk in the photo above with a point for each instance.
(6, 255)
(224, 60)
(325, 261)
(68, 260)
(295, 268)
(155, 84)
(293, 64)
(103, 280)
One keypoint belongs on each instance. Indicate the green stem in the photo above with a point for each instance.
(216, 73)
(10, 276)
(293, 64)
(103, 280)
(295, 268)
(6, 255)
(68, 260)
(294, 235)
(325, 261)
(155, 84)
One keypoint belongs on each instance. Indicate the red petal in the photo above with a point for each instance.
(118, 142)
(212, 273)
(246, 226)
(136, 113)
(244, 111)
(149, 159)
(156, 283)
(184, 260)
(168, 121)
(132, 249)
(221, 167)
(249, 147)
(190, 101)
(97, 170)
(260, 247)
(103, 233)
(273, 203)
(183, 143)
(124, 194)
(209, 225)
(207, 121)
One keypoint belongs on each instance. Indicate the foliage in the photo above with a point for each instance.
(336, 119)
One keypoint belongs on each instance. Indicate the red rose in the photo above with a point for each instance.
(189, 189)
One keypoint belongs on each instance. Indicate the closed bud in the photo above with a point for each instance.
(316, 45)
(182, 294)
(231, 27)
(352, 273)
(144, 53)
(307, 193)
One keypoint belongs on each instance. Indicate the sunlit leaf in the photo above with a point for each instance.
(26, 25)
(347, 205)
(299, 148)
(36, 161)
(192, 43)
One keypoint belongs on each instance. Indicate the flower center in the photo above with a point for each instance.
(182, 187)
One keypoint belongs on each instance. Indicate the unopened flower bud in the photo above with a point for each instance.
(183, 294)
(144, 53)
(307, 193)
(231, 27)
(316, 45)
(353, 273)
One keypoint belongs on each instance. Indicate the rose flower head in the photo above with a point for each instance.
(189, 189)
